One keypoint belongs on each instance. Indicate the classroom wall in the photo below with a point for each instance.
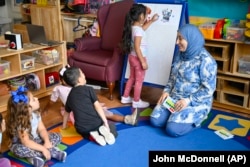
(9, 11)
(232, 9)
(4, 9)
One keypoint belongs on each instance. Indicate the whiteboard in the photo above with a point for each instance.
(161, 39)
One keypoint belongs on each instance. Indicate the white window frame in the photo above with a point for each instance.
(15, 5)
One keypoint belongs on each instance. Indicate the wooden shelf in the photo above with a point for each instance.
(14, 57)
(58, 25)
(229, 107)
(70, 21)
(232, 90)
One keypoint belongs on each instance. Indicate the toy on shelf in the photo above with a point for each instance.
(227, 23)
(218, 29)
(247, 31)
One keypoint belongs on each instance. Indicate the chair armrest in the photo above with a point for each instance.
(116, 54)
(115, 65)
(87, 43)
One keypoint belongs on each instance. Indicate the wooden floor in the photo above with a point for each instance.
(53, 116)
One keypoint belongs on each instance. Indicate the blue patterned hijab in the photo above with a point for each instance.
(195, 41)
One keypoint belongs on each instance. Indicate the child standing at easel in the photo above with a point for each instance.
(135, 45)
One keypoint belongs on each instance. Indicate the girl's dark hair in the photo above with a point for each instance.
(71, 76)
(133, 15)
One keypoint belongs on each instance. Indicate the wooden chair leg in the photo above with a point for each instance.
(111, 86)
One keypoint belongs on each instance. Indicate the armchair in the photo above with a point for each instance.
(100, 57)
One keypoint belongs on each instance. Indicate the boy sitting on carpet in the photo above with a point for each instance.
(62, 92)
(90, 120)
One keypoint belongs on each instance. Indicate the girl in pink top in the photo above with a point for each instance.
(135, 45)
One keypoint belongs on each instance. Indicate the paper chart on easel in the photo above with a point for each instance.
(161, 38)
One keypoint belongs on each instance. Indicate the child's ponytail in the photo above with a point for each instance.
(132, 16)
(127, 34)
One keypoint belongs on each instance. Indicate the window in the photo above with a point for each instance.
(15, 5)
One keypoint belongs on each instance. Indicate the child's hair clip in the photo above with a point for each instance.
(19, 96)
(62, 71)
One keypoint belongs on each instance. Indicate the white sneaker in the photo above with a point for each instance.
(133, 118)
(126, 100)
(98, 138)
(140, 104)
(108, 136)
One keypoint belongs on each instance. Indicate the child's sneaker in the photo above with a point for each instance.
(126, 100)
(98, 138)
(108, 136)
(36, 161)
(58, 154)
(140, 104)
(133, 118)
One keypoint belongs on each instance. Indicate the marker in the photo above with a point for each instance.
(224, 134)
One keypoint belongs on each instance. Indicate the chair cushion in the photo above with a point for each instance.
(92, 56)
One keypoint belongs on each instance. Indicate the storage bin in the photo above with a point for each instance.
(235, 33)
(42, 2)
(244, 65)
(27, 62)
(47, 56)
(4, 67)
(16, 82)
(207, 30)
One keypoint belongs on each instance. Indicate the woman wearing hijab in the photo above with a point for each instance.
(191, 85)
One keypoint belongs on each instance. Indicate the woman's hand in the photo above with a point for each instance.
(163, 96)
(180, 105)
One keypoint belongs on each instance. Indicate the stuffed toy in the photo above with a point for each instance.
(247, 31)
(92, 31)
